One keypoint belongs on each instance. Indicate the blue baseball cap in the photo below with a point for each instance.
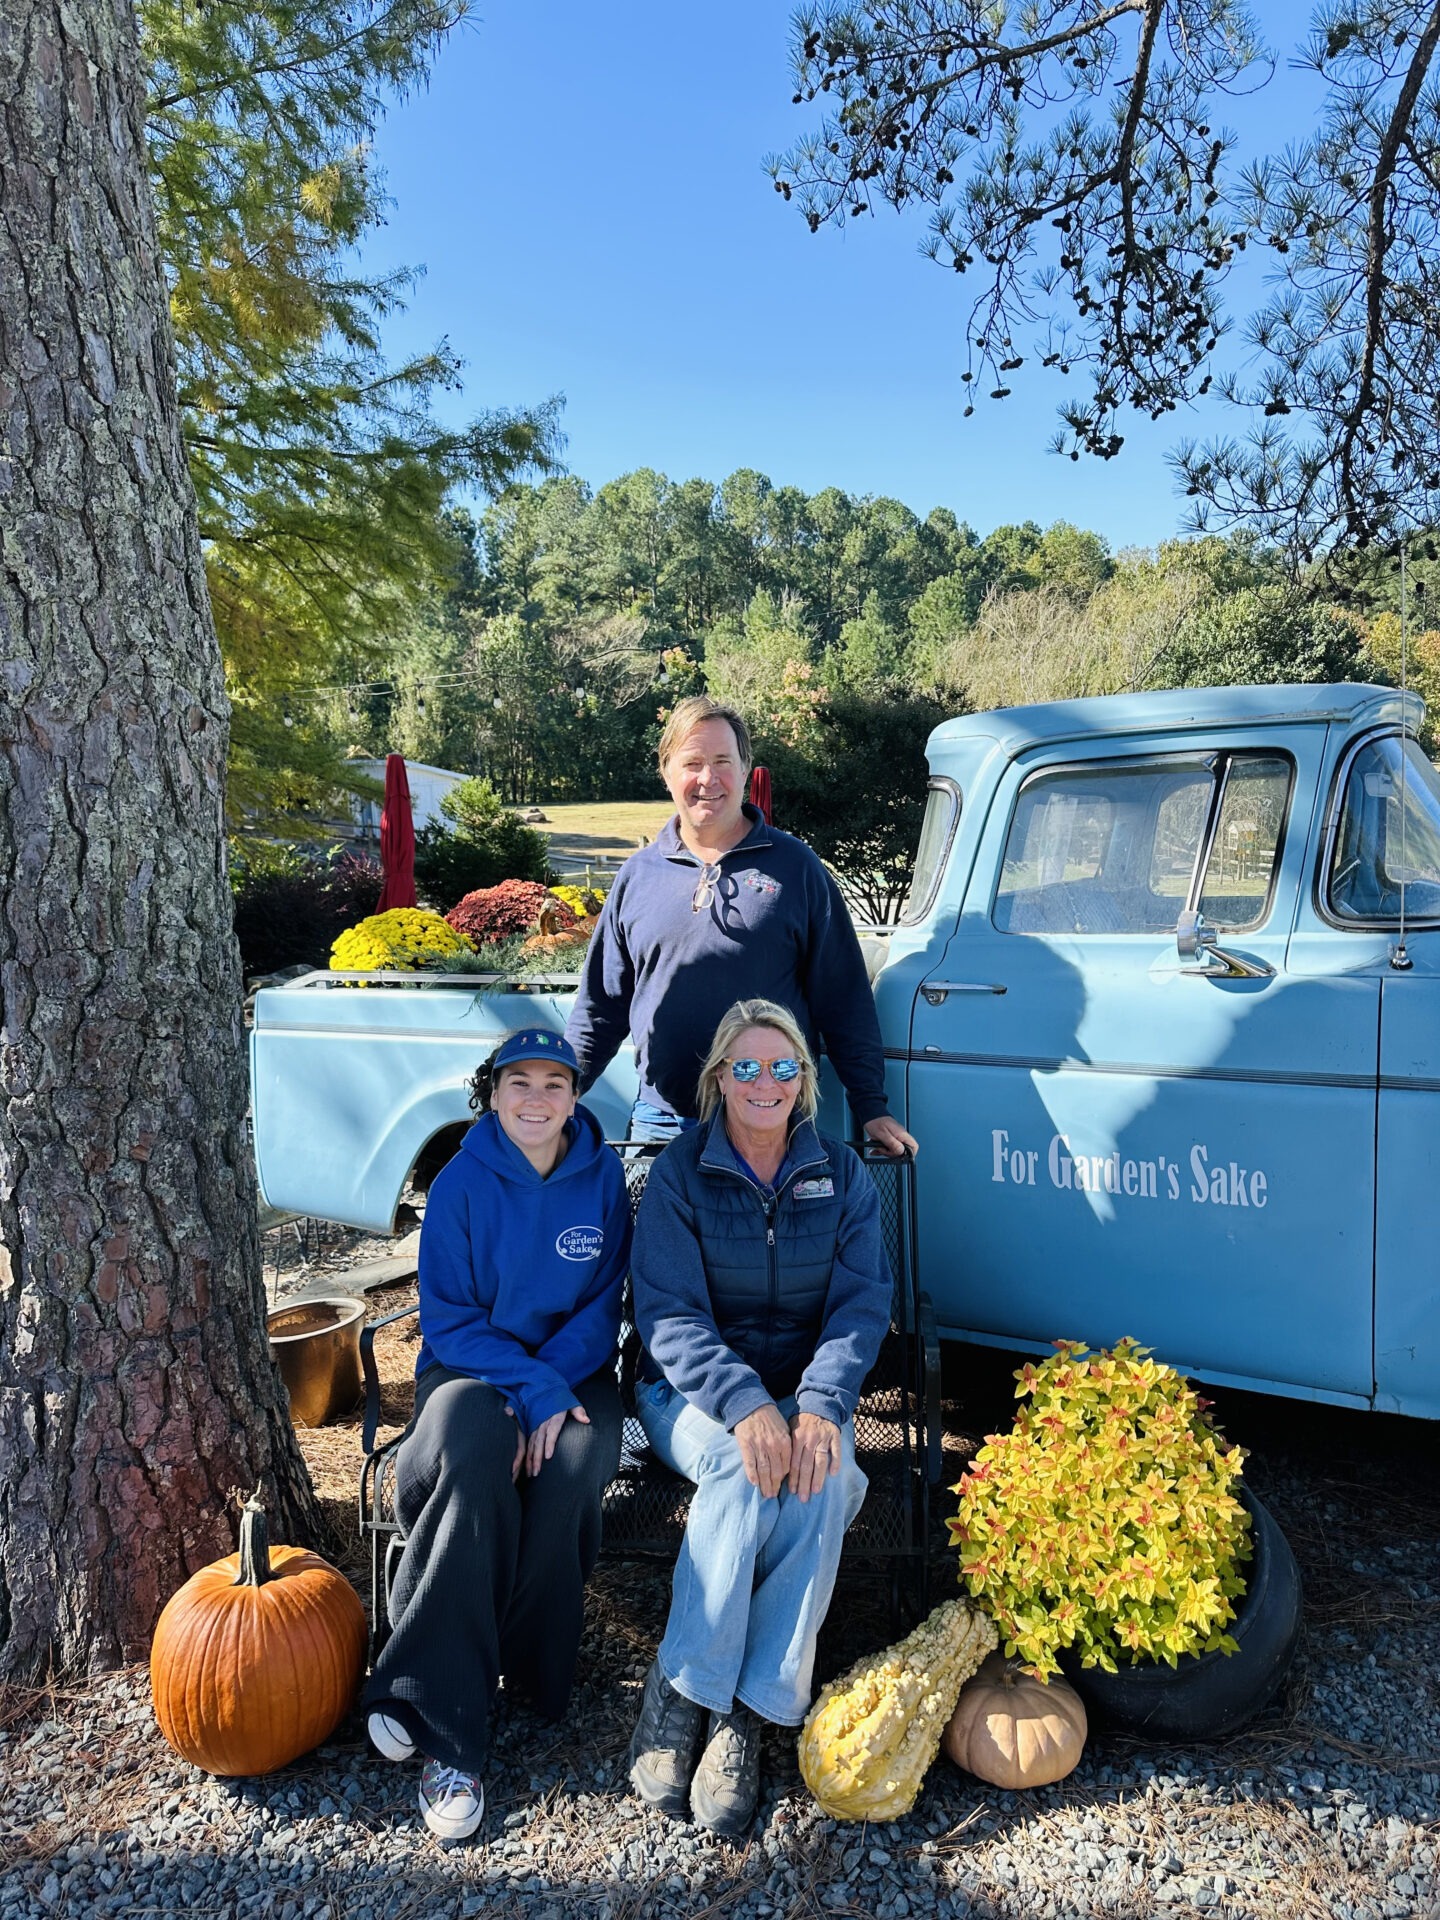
(537, 1043)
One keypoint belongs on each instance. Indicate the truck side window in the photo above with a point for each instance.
(1118, 848)
(1253, 806)
(937, 834)
(1381, 842)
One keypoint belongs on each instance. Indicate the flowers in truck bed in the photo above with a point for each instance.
(401, 940)
(586, 902)
(515, 906)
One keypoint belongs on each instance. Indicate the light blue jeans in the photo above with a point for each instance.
(754, 1578)
(651, 1123)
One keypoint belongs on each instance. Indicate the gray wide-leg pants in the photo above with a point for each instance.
(493, 1574)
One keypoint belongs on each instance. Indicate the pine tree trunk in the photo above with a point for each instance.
(136, 1388)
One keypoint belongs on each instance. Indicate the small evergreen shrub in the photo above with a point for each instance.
(487, 845)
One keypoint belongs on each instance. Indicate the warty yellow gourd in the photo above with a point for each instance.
(871, 1736)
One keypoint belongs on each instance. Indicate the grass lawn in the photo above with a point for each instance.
(582, 832)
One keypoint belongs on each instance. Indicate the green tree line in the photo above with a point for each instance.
(844, 626)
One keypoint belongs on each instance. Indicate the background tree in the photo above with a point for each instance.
(1346, 448)
(136, 1390)
(858, 795)
(1069, 155)
(320, 469)
(1065, 152)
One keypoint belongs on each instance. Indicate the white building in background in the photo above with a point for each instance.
(428, 786)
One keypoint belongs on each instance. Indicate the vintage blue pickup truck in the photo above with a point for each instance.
(1163, 1011)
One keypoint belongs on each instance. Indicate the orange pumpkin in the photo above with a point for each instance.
(1013, 1730)
(257, 1657)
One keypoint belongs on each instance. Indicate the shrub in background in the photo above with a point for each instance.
(498, 913)
(487, 845)
(290, 906)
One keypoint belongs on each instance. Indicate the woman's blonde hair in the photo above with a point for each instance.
(758, 1013)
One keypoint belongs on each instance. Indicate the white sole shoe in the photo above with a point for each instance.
(452, 1802)
(388, 1737)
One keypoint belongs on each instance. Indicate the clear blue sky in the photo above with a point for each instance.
(583, 185)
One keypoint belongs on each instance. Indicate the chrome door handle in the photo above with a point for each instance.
(936, 990)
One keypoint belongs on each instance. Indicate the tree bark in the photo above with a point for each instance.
(136, 1387)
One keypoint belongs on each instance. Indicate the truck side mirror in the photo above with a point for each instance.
(1192, 936)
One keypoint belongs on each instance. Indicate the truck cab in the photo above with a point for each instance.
(1173, 1071)
(1163, 1011)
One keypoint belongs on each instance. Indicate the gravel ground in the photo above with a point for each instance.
(1327, 1807)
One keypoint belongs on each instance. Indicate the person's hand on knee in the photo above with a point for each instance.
(814, 1453)
(764, 1442)
(543, 1439)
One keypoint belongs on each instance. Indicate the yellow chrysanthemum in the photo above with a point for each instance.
(399, 940)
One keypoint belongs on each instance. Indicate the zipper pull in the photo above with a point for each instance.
(769, 1236)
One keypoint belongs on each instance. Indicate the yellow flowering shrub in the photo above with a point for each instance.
(401, 940)
(1106, 1520)
(584, 901)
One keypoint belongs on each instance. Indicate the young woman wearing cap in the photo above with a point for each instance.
(517, 1423)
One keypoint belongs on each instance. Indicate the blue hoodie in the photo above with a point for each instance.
(520, 1278)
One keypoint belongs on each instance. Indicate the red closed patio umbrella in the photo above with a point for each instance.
(397, 838)
(760, 793)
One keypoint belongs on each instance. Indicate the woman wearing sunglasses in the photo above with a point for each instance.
(762, 1296)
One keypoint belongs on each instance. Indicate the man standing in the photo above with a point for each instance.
(719, 908)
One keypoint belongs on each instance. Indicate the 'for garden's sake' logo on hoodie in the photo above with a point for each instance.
(580, 1243)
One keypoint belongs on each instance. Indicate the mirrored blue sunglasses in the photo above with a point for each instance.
(786, 1068)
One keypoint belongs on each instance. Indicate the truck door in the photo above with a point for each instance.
(1385, 826)
(1136, 1141)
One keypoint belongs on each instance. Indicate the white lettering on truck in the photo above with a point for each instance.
(1223, 1183)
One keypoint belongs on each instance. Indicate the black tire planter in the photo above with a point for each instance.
(1209, 1695)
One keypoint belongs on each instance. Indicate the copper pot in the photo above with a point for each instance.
(316, 1344)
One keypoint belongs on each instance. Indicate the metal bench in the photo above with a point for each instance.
(897, 1433)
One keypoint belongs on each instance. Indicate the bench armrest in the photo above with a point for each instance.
(372, 1376)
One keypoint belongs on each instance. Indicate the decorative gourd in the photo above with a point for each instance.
(257, 1657)
(871, 1736)
(1013, 1730)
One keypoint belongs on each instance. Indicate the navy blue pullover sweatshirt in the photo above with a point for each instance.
(776, 929)
(520, 1278)
(745, 1294)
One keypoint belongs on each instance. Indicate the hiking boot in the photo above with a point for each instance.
(388, 1735)
(452, 1802)
(666, 1745)
(726, 1784)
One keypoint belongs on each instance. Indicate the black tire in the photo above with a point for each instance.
(1210, 1695)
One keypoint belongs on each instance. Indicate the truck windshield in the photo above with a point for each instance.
(1382, 842)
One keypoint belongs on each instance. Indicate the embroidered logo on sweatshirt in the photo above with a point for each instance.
(821, 1189)
(757, 882)
(580, 1243)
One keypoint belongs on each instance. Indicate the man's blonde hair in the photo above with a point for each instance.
(758, 1013)
(694, 712)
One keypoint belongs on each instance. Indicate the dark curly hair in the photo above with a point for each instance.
(482, 1081)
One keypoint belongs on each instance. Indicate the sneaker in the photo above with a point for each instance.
(666, 1745)
(388, 1736)
(452, 1802)
(727, 1780)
